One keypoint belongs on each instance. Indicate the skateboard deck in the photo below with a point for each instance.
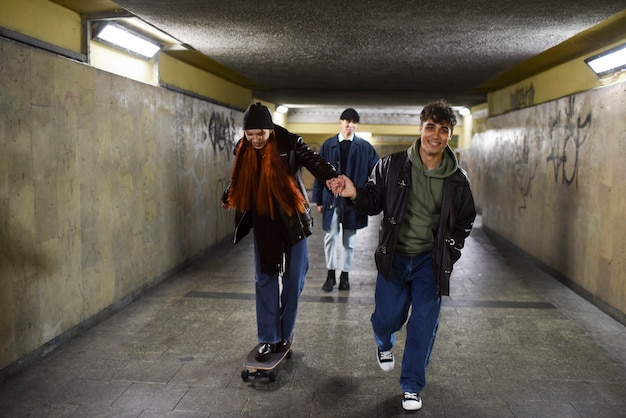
(256, 368)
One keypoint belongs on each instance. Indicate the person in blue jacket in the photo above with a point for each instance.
(354, 157)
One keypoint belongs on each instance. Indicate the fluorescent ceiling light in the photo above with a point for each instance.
(609, 61)
(464, 111)
(364, 135)
(122, 38)
(282, 109)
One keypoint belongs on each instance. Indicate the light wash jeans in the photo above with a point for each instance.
(348, 240)
(412, 286)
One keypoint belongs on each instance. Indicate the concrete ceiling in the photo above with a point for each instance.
(377, 53)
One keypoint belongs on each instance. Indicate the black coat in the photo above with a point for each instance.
(388, 190)
(295, 154)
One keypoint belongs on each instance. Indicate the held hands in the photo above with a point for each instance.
(342, 186)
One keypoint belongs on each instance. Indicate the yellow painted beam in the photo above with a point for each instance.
(173, 72)
(43, 20)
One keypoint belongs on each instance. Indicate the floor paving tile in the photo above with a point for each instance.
(512, 342)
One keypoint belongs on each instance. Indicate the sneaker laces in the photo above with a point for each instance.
(408, 396)
(385, 355)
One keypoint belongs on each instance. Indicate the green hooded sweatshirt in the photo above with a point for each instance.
(424, 207)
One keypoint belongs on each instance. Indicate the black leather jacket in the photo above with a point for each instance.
(295, 154)
(388, 190)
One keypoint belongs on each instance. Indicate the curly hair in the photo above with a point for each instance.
(439, 112)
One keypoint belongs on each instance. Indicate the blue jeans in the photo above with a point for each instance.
(412, 285)
(348, 240)
(276, 311)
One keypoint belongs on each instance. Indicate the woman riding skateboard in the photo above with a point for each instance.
(268, 193)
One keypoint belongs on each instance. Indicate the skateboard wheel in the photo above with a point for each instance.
(244, 375)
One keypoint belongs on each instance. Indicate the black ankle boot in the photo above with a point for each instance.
(264, 352)
(282, 346)
(344, 284)
(330, 281)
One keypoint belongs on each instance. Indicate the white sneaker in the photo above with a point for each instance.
(411, 401)
(385, 359)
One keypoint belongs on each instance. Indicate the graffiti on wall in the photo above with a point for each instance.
(523, 97)
(204, 147)
(524, 171)
(220, 129)
(568, 132)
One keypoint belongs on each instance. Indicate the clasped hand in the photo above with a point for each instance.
(342, 186)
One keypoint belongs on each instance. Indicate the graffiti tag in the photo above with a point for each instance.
(524, 172)
(220, 129)
(568, 133)
(523, 97)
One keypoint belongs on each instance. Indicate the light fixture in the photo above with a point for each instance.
(364, 135)
(609, 61)
(282, 109)
(464, 111)
(120, 37)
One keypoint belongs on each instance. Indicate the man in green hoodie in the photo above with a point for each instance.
(428, 211)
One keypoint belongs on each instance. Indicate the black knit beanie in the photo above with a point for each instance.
(257, 116)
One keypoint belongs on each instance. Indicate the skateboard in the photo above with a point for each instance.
(255, 368)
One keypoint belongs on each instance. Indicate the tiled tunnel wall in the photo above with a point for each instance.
(550, 179)
(107, 186)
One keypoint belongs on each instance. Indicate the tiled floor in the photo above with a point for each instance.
(513, 342)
